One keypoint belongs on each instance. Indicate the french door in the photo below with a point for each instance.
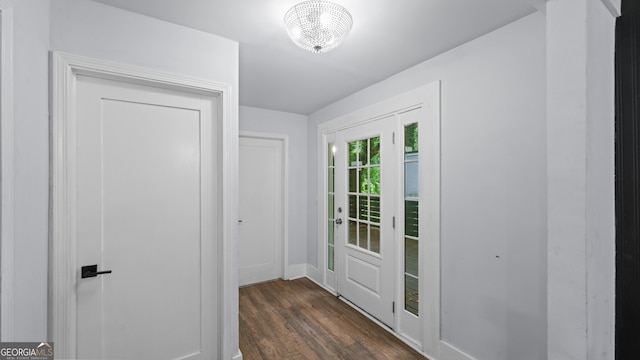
(380, 224)
(365, 188)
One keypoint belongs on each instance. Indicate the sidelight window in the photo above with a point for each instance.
(411, 238)
(331, 226)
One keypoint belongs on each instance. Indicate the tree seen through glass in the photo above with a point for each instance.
(364, 193)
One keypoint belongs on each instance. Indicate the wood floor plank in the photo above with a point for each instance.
(300, 320)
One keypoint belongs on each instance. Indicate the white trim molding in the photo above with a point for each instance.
(296, 271)
(614, 7)
(313, 273)
(6, 172)
(62, 256)
(237, 356)
(538, 4)
(309, 271)
(450, 352)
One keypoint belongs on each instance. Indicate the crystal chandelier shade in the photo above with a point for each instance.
(318, 26)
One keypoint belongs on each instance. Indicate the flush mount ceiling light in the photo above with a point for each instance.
(318, 26)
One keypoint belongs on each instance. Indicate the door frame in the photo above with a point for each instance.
(285, 192)
(428, 98)
(6, 171)
(62, 256)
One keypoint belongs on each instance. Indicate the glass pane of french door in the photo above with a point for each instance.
(364, 193)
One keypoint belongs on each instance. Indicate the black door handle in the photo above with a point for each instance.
(88, 271)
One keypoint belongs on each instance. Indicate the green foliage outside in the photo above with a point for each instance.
(366, 155)
(411, 138)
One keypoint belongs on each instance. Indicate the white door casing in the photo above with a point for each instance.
(215, 217)
(6, 171)
(261, 229)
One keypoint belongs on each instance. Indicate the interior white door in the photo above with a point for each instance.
(146, 159)
(365, 191)
(260, 231)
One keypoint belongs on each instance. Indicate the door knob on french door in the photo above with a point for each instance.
(88, 271)
(339, 221)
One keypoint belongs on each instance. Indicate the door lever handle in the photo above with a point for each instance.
(339, 221)
(88, 271)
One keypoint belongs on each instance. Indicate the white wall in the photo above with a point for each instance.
(295, 127)
(493, 194)
(91, 29)
(31, 168)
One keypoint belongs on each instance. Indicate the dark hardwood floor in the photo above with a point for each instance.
(299, 320)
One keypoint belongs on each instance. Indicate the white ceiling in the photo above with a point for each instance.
(388, 36)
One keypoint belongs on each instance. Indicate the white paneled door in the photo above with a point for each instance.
(146, 165)
(365, 193)
(260, 230)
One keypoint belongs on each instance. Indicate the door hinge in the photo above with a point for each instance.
(393, 222)
(393, 137)
(393, 307)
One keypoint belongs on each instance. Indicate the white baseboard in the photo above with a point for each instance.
(319, 283)
(296, 271)
(313, 274)
(237, 356)
(450, 352)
